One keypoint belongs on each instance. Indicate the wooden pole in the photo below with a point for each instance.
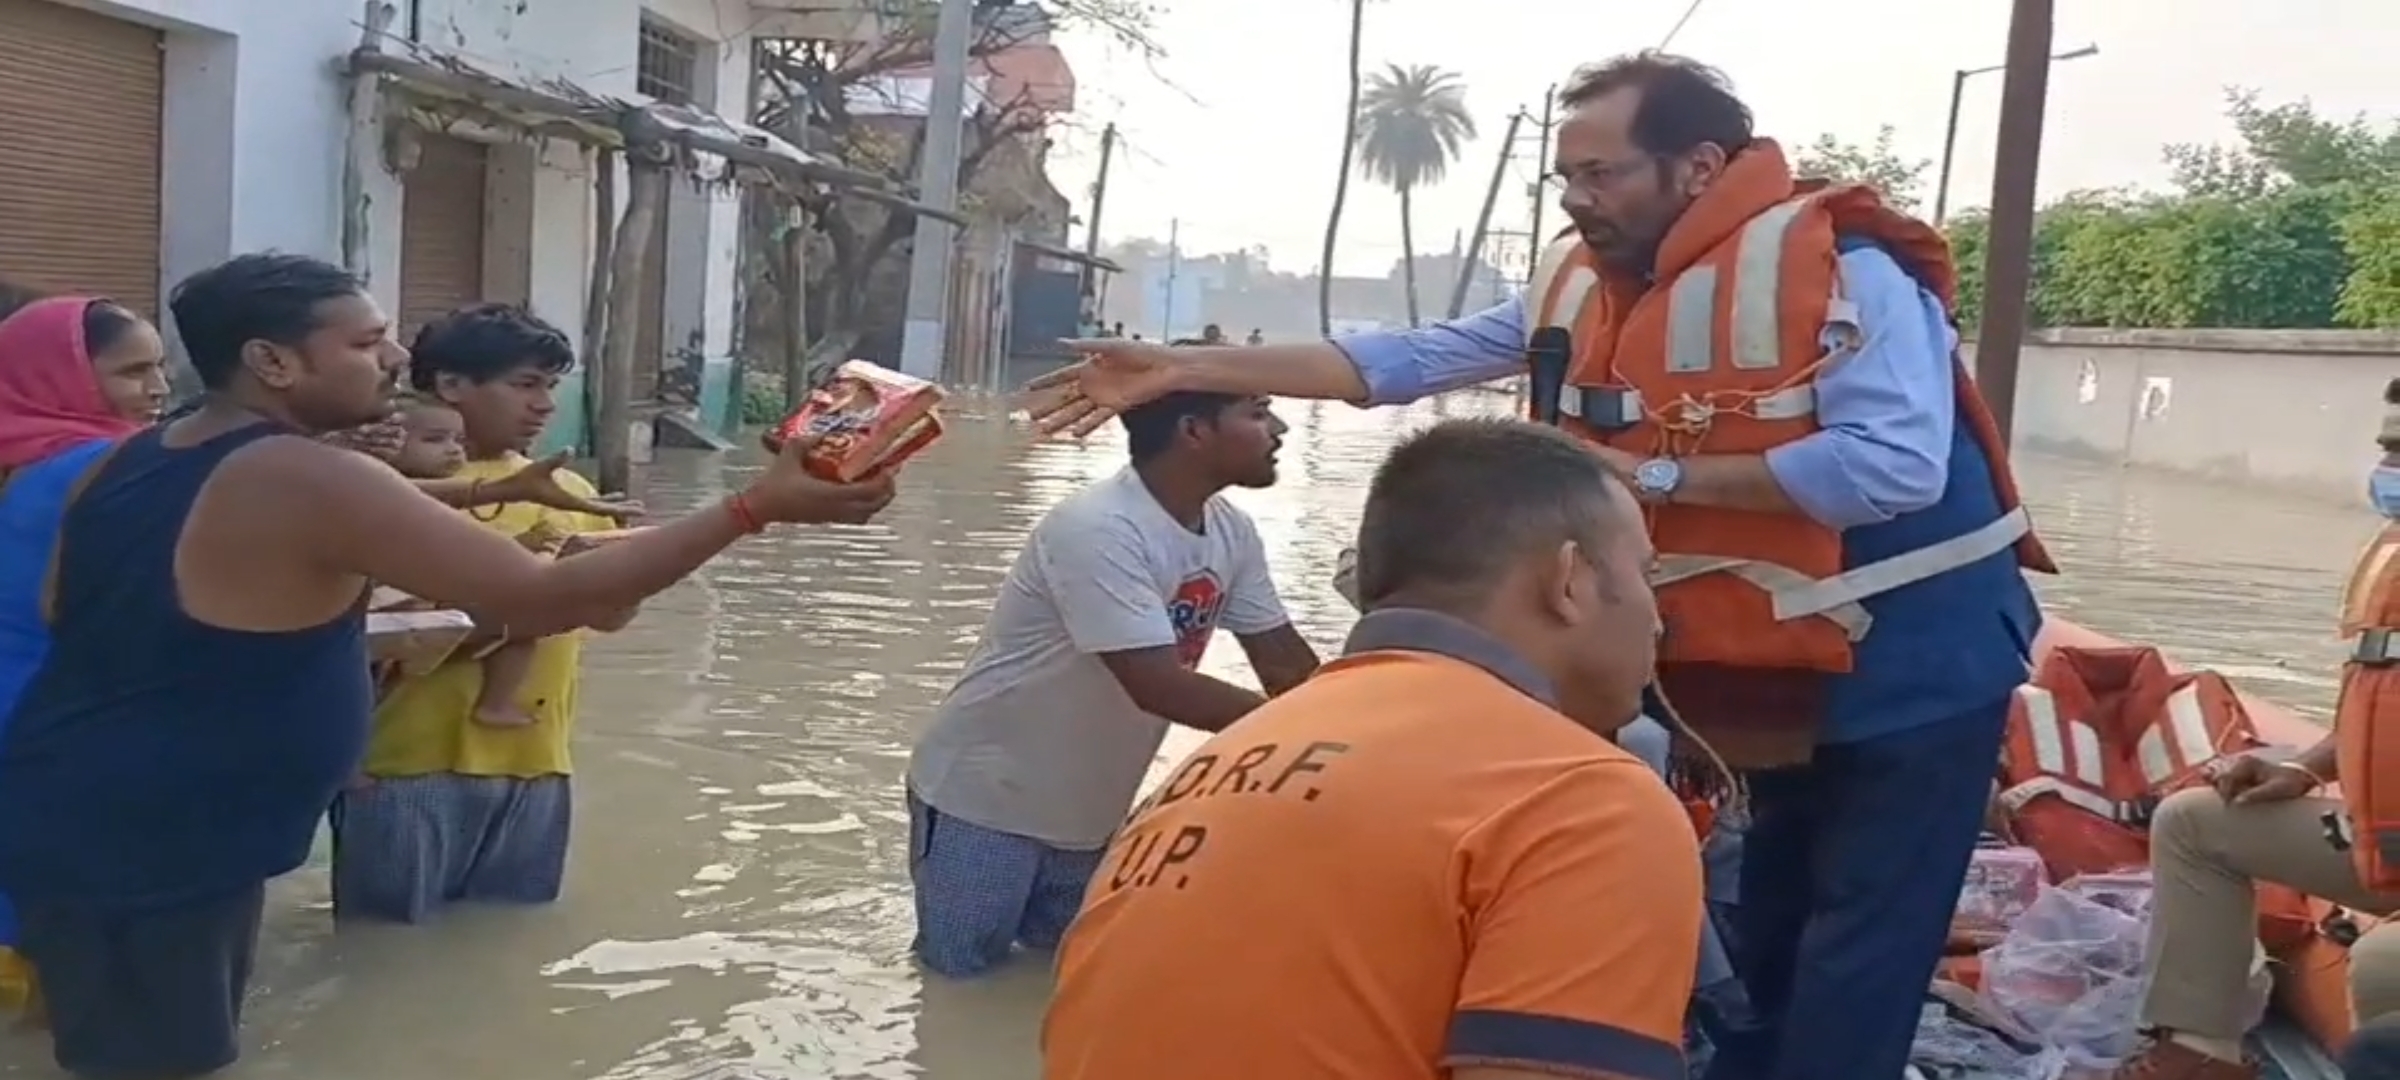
(362, 152)
(646, 199)
(794, 271)
(595, 300)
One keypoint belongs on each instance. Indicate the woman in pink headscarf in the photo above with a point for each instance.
(72, 370)
(76, 373)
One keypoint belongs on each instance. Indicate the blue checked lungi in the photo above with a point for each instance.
(406, 846)
(980, 892)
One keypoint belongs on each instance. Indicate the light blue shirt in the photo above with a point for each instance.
(1886, 413)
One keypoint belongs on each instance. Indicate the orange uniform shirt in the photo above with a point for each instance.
(1410, 864)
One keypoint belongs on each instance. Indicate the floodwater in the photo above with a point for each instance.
(737, 908)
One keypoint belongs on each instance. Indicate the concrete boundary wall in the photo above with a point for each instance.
(2294, 410)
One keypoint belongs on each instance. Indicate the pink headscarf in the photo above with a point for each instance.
(50, 397)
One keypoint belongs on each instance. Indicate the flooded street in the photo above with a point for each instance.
(737, 906)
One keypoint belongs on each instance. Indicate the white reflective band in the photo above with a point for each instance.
(1692, 321)
(2063, 746)
(2179, 742)
(2378, 646)
(1772, 578)
(2041, 724)
(1907, 568)
(2015, 798)
(1790, 403)
(1561, 311)
(1757, 286)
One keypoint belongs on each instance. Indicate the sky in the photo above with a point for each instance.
(1231, 139)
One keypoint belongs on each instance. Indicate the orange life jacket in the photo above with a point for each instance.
(2366, 726)
(1720, 356)
(2097, 738)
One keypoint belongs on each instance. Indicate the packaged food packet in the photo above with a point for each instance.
(867, 418)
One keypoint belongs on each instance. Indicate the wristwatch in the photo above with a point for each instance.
(1656, 479)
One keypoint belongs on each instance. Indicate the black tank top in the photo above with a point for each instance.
(155, 758)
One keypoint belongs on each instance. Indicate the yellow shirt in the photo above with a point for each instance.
(426, 724)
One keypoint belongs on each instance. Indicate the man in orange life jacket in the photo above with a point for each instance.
(1770, 365)
(2267, 820)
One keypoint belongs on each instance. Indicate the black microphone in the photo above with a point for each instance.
(1547, 354)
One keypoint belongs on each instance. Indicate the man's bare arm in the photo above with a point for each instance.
(1164, 688)
(1281, 657)
(362, 518)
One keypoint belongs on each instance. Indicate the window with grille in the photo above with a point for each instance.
(668, 67)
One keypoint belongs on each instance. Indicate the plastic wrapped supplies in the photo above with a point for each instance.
(2002, 884)
(2069, 970)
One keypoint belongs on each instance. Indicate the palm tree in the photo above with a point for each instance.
(1411, 123)
(1341, 186)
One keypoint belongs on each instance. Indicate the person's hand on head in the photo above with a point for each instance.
(788, 493)
(381, 439)
(1114, 375)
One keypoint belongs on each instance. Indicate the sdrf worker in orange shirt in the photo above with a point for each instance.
(1430, 860)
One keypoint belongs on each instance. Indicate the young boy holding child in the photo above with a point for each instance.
(433, 447)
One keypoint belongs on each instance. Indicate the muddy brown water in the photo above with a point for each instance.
(738, 902)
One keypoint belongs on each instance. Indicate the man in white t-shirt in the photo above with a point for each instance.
(1090, 652)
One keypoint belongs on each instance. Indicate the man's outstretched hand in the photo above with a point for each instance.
(788, 493)
(1114, 375)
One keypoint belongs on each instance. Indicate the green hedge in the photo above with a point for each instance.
(2297, 257)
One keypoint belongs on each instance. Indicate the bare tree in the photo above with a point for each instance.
(818, 95)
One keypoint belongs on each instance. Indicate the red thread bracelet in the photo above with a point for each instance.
(739, 507)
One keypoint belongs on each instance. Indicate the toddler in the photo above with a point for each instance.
(432, 447)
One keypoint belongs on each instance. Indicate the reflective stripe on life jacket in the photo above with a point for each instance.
(1719, 356)
(2366, 726)
(2100, 735)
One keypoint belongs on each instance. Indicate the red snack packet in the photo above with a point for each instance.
(867, 418)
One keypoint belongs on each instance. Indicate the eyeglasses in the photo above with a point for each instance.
(1596, 175)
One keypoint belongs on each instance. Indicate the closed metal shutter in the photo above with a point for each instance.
(441, 232)
(79, 146)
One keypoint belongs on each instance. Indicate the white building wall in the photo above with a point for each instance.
(257, 130)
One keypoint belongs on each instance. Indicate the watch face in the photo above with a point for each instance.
(1657, 474)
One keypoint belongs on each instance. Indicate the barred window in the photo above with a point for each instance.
(668, 67)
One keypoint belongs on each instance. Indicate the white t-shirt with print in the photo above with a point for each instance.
(1037, 738)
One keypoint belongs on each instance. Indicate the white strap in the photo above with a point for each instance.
(1907, 568)
(1790, 403)
(1839, 598)
(1772, 578)
(2015, 798)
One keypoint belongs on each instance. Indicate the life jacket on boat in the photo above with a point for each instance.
(2097, 738)
(1719, 354)
(2366, 726)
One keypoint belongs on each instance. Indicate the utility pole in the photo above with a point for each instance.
(1483, 220)
(1166, 322)
(2016, 172)
(921, 335)
(1091, 234)
(1539, 240)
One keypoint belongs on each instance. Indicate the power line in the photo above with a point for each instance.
(1688, 11)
